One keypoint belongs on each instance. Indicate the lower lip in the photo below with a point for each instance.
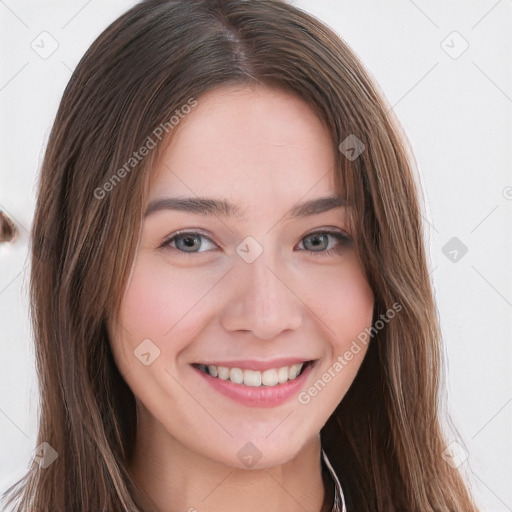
(261, 396)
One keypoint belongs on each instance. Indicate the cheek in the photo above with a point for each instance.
(160, 299)
(163, 305)
(344, 301)
(356, 312)
(149, 305)
(345, 305)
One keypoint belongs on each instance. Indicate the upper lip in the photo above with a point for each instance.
(247, 364)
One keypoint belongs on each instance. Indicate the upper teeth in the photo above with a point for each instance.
(269, 377)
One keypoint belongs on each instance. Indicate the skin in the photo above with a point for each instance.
(265, 150)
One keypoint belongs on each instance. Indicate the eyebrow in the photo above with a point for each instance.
(221, 207)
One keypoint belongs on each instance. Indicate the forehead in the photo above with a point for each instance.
(255, 145)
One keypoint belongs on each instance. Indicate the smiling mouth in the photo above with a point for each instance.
(254, 378)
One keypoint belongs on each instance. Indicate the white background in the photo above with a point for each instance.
(456, 111)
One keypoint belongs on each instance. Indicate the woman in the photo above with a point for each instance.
(231, 300)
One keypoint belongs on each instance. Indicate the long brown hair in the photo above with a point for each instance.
(384, 439)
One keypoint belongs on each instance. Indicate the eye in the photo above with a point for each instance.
(331, 242)
(186, 242)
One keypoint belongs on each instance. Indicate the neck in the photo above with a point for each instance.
(177, 478)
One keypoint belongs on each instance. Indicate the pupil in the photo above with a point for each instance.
(317, 240)
(189, 241)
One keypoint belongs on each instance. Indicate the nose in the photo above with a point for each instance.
(261, 299)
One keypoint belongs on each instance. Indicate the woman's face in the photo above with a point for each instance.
(248, 293)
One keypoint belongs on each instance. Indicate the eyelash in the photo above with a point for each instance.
(344, 241)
